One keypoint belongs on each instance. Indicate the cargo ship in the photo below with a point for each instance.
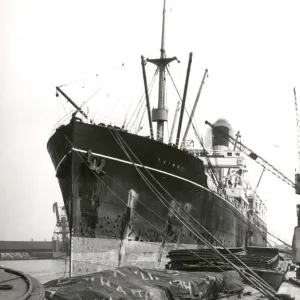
(121, 189)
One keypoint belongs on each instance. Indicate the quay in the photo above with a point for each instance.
(14, 250)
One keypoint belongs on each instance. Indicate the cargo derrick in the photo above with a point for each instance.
(60, 239)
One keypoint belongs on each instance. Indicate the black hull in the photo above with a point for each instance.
(97, 205)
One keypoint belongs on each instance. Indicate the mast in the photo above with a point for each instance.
(160, 114)
(147, 96)
(194, 108)
(162, 84)
(184, 98)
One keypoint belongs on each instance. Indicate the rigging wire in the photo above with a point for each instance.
(182, 221)
(214, 176)
(254, 228)
(132, 125)
(112, 110)
(192, 208)
(86, 102)
(265, 292)
(139, 127)
(142, 97)
(81, 157)
(231, 209)
(150, 173)
(62, 102)
(151, 85)
(150, 91)
(77, 81)
(182, 218)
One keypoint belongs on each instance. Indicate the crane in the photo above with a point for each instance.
(296, 236)
(55, 210)
(257, 158)
(297, 175)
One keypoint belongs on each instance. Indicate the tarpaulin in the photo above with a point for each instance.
(135, 283)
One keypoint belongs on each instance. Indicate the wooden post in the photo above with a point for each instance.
(187, 208)
(164, 238)
(125, 230)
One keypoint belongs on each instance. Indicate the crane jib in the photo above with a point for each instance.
(256, 157)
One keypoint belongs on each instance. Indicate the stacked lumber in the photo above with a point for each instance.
(208, 260)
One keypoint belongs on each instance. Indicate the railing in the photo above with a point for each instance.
(95, 119)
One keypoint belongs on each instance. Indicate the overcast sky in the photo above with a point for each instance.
(251, 49)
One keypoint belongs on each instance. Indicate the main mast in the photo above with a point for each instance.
(160, 114)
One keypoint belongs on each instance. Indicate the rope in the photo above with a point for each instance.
(174, 199)
(85, 102)
(214, 177)
(243, 276)
(182, 220)
(142, 98)
(151, 85)
(150, 222)
(163, 233)
(200, 140)
(191, 229)
(139, 127)
(227, 208)
(76, 81)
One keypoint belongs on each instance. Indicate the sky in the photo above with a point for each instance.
(250, 48)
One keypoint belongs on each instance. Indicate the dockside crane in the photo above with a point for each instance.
(61, 229)
(297, 175)
(296, 236)
(55, 210)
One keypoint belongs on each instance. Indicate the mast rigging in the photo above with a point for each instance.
(194, 108)
(184, 98)
(160, 114)
(147, 97)
(174, 122)
(78, 109)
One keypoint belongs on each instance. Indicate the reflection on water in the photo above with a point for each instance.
(42, 270)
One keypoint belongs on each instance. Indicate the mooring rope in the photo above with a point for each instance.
(182, 220)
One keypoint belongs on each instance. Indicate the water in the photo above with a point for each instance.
(42, 270)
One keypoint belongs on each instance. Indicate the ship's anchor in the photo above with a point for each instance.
(94, 163)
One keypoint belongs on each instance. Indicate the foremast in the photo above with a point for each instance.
(160, 114)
